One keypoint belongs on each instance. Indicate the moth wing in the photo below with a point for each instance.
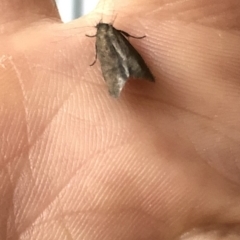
(136, 65)
(115, 87)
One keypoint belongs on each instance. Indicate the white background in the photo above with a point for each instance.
(70, 9)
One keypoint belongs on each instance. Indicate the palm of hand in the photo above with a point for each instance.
(160, 161)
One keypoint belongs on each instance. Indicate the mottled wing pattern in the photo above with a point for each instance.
(118, 59)
(136, 65)
(113, 67)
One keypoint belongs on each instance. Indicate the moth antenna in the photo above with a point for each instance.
(128, 35)
(93, 63)
(95, 57)
(112, 22)
(90, 35)
(101, 20)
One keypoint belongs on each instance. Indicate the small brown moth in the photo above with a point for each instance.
(119, 60)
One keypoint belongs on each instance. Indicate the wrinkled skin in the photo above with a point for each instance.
(161, 162)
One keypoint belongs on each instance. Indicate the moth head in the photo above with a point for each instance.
(103, 26)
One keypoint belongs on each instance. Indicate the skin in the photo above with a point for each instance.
(161, 162)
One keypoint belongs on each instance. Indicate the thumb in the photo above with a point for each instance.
(17, 13)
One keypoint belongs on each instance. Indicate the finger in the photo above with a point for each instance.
(25, 11)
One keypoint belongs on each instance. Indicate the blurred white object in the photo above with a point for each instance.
(65, 9)
(88, 6)
(71, 9)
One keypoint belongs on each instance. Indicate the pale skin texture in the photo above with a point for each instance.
(162, 162)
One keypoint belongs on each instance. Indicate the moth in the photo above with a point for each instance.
(119, 60)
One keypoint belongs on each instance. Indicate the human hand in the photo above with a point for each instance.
(160, 162)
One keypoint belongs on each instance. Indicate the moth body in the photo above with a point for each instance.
(119, 60)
